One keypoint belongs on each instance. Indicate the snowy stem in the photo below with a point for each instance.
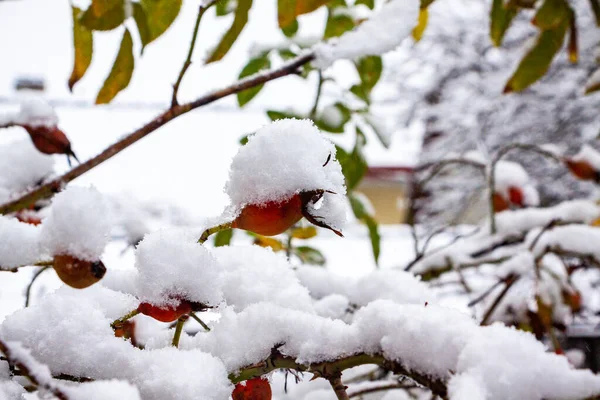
(27, 372)
(50, 188)
(178, 330)
(188, 61)
(205, 235)
(338, 387)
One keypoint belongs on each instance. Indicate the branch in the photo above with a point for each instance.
(201, 10)
(28, 371)
(48, 189)
(330, 369)
(510, 280)
(440, 165)
(338, 387)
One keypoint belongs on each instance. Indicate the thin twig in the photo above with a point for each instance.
(48, 189)
(206, 234)
(188, 61)
(33, 279)
(440, 165)
(313, 111)
(488, 314)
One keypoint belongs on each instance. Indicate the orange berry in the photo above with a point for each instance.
(165, 313)
(582, 170)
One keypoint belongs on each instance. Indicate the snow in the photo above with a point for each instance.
(78, 225)
(22, 167)
(590, 155)
(399, 286)
(281, 159)
(173, 266)
(20, 244)
(381, 33)
(509, 175)
(102, 390)
(488, 357)
(20, 355)
(252, 274)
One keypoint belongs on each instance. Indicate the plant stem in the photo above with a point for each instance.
(49, 189)
(198, 320)
(33, 279)
(205, 235)
(188, 61)
(118, 322)
(178, 330)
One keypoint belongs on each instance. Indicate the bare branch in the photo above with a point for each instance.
(188, 61)
(48, 189)
(338, 387)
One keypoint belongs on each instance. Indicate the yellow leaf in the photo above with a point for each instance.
(304, 233)
(83, 46)
(264, 241)
(121, 71)
(418, 31)
(239, 22)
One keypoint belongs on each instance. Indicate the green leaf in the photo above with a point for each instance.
(223, 238)
(104, 15)
(596, 9)
(291, 29)
(275, 115)
(537, 61)
(369, 70)
(368, 3)
(333, 118)
(360, 212)
(141, 21)
(239, 22)
(288, 10)
(419, 30)
(337, 24)
(354, 165)
(360, 92)
(121, 71)
(160, 14)
(500, 19)
(254, 65)
(244, 139)
(309, 255)
(286, 54)
(552, 14)
(83, 45)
